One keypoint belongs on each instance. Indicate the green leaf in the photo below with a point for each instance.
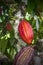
(34, 5)
(30, 5)
(0, 20)
(3, 44)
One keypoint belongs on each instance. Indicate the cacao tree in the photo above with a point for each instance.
(21, 25)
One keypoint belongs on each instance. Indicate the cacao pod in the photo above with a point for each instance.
(25, 56)
(26, 31)
(8, 26)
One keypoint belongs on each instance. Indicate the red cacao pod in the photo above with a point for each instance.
(26, 31)
(8, 26)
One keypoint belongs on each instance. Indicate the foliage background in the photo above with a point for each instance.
(11, 12)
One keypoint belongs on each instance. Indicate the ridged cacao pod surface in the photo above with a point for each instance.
(25, 56)
(26, 31)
